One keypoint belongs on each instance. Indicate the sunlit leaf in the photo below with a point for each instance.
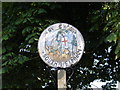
(111, 37)
(117, 50)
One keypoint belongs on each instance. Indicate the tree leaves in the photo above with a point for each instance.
(22, 29)
(26, 30)
(41, 11)
(5, 37)
(22, 59)
(31, 40)
(111, 37)
(108, 22)
(117, 50)
(18, 21)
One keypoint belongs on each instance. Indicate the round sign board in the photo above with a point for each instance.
(61, 45)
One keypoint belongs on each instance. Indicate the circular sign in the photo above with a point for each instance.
(61, 45)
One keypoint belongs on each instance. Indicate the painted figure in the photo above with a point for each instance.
(61, 46)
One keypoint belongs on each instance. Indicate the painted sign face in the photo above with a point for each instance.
(61, 45)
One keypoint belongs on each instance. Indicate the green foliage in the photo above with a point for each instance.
(21, 29)
(40, 11)
(107, 20)
(23, 23)
(111, 37)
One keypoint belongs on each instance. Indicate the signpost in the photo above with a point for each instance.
(61, 45)
(61, 76)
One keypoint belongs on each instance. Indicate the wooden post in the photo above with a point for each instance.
(61, 76)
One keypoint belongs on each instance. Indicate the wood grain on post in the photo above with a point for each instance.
(61, 76)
